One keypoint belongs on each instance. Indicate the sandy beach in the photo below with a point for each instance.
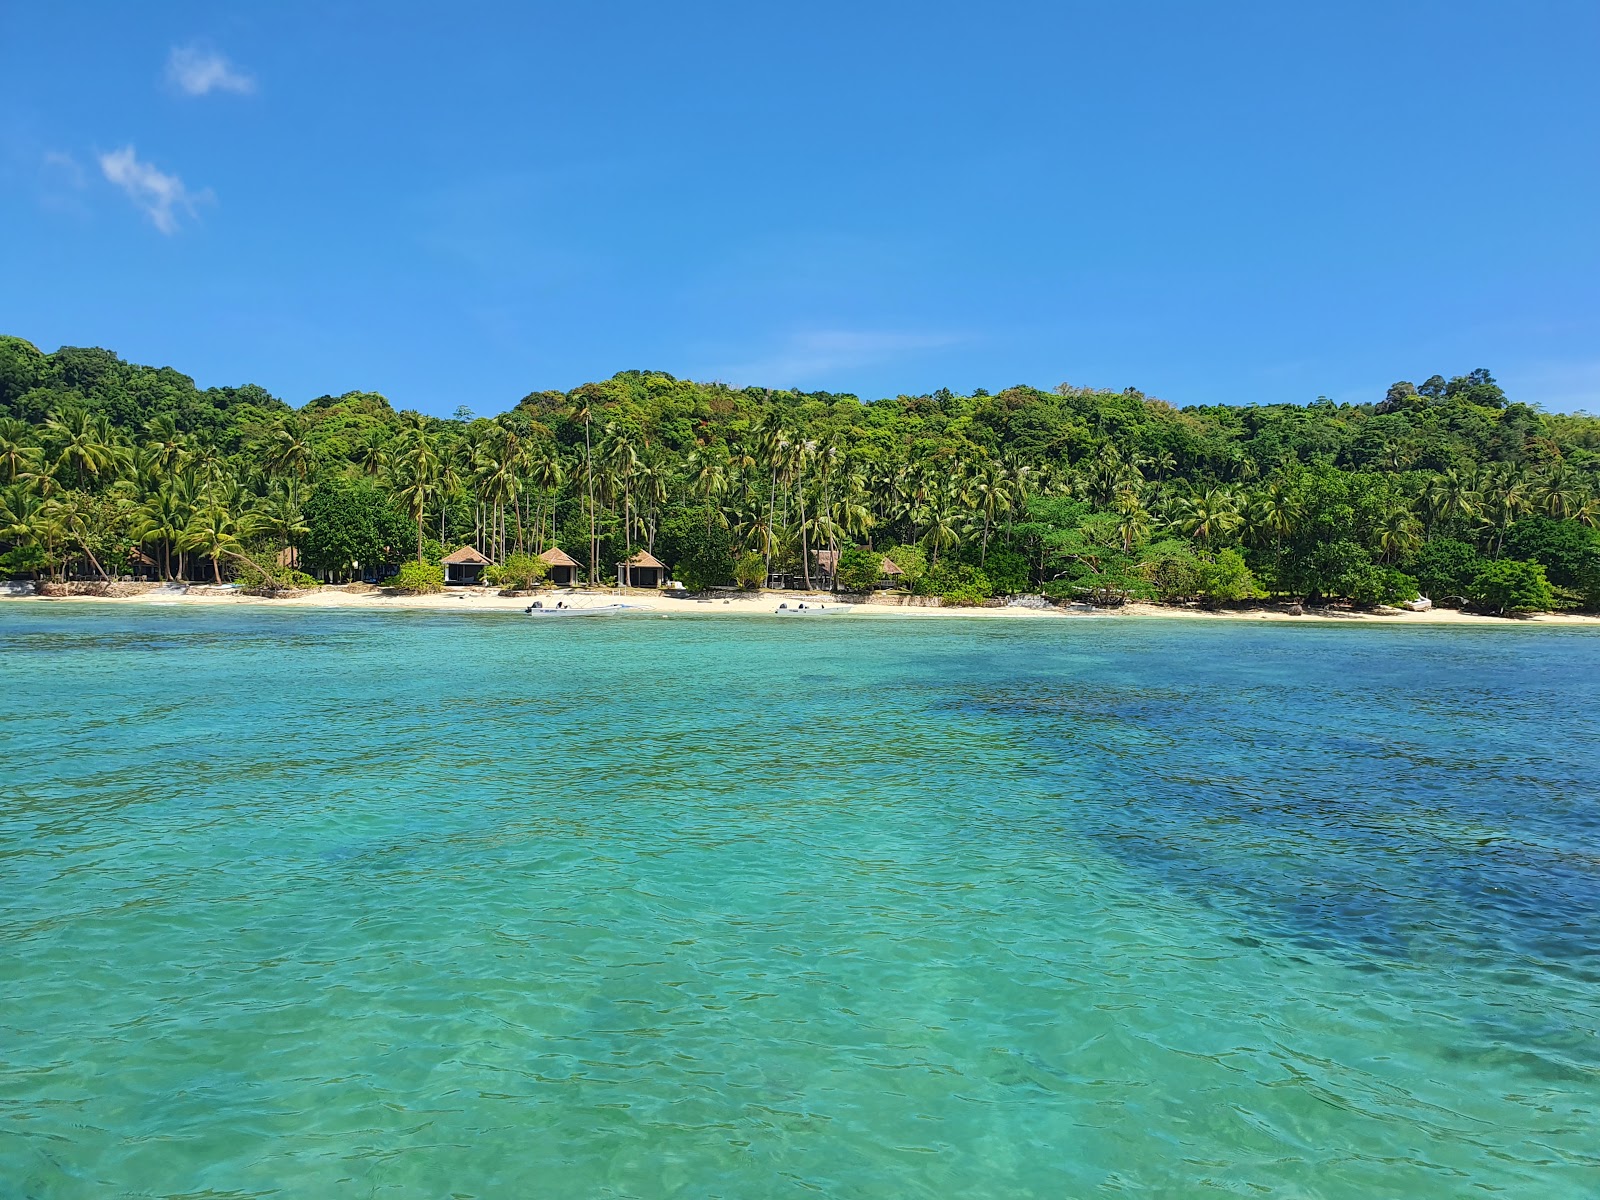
(488, 600)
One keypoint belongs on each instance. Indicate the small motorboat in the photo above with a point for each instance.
(811, 609)
(563, 609)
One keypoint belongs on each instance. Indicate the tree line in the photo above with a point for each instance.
(1447, 488)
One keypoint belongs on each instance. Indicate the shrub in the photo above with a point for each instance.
(956, 583)
(860, 569)
(418, 578)
(912, 561)
(701, 553)
(1007, 571)
(519, 572)
(268, 580)
(1444, 568)
(1511, 585)
(1172, 569)
(750, 571)
(1226, 577)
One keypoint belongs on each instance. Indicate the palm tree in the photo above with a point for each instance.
(418, 467)
(286, 451)
(1398, 532)
(372, 453)
(88, 445)
(161, 519)
(16, 455)
(1133, 519)
(939, 514)
(281, 514)
(214, 531)
(1207, 515)
(73, 526)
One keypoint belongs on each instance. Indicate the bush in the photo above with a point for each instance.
(912, 561)
(1226, 577)
(268, 580)
(750, 571)
(1007, 571)
(860, 569)
(1172, 569)
(519, 573)
(956, 583)
(701, 556)
(418, 578)
(1511, 585)
(1445, 568)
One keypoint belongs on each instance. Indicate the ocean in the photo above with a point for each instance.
(299, 903)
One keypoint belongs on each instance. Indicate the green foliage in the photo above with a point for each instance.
(518, 573)
(1569, 552)
(256, 575)
(1173, 569)
(1007, 571)
(750, 571)
(349, 521)
(1225, 578)
(1444, 569)
(418, 578)
(955, 583)
(700, 550)
(1075, 491)
(1510, 585)
(913, 564)
(860, 569)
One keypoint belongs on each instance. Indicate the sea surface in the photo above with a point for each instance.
(321, 904)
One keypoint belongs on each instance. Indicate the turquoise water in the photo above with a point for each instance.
(410, 904)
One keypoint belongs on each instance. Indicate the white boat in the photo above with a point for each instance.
(538, 609)
(810, 608)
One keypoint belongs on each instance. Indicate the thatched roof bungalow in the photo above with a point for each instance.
(643, 570)
(464, 566)
(564, 569)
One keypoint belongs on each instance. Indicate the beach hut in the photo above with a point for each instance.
(564, 569)
(464, 566)
(142, 566)
(827, 570)
(643, 570)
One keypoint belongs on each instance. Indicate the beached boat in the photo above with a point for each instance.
(812, 609)
(538, 609)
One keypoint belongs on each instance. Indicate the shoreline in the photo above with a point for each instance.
(486, 600)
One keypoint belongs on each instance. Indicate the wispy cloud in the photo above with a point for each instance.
(197, 70)
(64, 170)
(160, 196)
(806, 357)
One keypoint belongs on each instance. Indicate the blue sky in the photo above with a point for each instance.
(459, 204)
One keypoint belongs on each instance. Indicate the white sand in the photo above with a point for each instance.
(746, 604)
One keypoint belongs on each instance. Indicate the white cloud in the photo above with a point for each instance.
(197, 71)
(63, 170)
(159, 195)
(806, 357)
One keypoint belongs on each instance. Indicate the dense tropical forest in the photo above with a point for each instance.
(1445, 488)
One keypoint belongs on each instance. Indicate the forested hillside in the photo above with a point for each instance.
(1448, 487)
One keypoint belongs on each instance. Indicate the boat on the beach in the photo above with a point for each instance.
(538, 609)
(812, 609)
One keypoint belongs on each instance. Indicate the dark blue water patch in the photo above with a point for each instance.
(1364, 793)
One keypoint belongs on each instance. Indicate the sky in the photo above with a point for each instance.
(460, 204)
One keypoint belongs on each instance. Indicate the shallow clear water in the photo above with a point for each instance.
(322, 904)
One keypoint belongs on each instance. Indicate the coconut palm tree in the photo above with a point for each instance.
(87, 446)
(17, 455)
(215, 531)
(285, 451)
(1207, 515)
